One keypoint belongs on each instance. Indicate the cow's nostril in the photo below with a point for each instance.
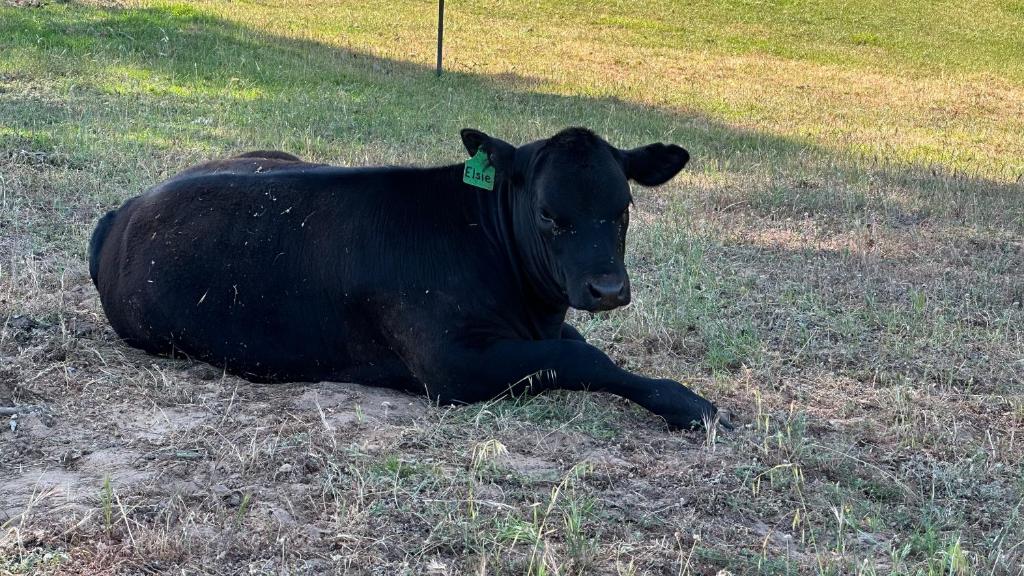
(606, 290)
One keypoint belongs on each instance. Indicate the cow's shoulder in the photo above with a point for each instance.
(270, 154)
(254, 162)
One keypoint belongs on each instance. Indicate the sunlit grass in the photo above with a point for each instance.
(912, 83)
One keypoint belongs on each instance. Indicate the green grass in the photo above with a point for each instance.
(840, 265)
(921, 37)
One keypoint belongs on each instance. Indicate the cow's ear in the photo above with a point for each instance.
(500, 154)
(654, 164)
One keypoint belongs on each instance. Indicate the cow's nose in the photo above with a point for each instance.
(607, 289)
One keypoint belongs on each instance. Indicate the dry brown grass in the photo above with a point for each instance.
(854, 297)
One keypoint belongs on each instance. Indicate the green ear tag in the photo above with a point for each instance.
(479, 172)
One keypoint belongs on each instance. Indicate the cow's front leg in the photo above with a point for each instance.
(467, 375)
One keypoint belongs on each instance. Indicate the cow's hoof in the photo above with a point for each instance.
(724, 421)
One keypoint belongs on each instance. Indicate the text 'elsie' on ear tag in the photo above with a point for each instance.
(479, 172)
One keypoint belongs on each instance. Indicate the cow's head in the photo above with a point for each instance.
(571, 201)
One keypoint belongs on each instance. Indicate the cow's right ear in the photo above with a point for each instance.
(500, 154)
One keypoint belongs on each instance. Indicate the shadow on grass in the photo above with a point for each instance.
(178, 82)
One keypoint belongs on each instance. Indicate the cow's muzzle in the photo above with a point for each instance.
(605, 292)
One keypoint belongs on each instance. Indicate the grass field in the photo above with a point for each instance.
(841, 266)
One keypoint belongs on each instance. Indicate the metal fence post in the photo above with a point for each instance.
(440, 33)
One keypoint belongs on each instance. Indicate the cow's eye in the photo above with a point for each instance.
(546, 218)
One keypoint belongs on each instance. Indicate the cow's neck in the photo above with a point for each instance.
(522, 254)
(528, 254)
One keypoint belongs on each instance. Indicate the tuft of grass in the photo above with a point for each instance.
(561, 410)
(107, 504)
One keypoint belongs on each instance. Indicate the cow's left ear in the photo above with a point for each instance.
(500, 154)
(653, 164)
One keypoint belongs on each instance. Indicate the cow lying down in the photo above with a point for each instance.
(452, 281)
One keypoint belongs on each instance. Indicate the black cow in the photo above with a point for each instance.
(409, 278)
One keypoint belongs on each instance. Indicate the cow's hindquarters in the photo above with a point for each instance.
(99, 237)
(199, 267)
